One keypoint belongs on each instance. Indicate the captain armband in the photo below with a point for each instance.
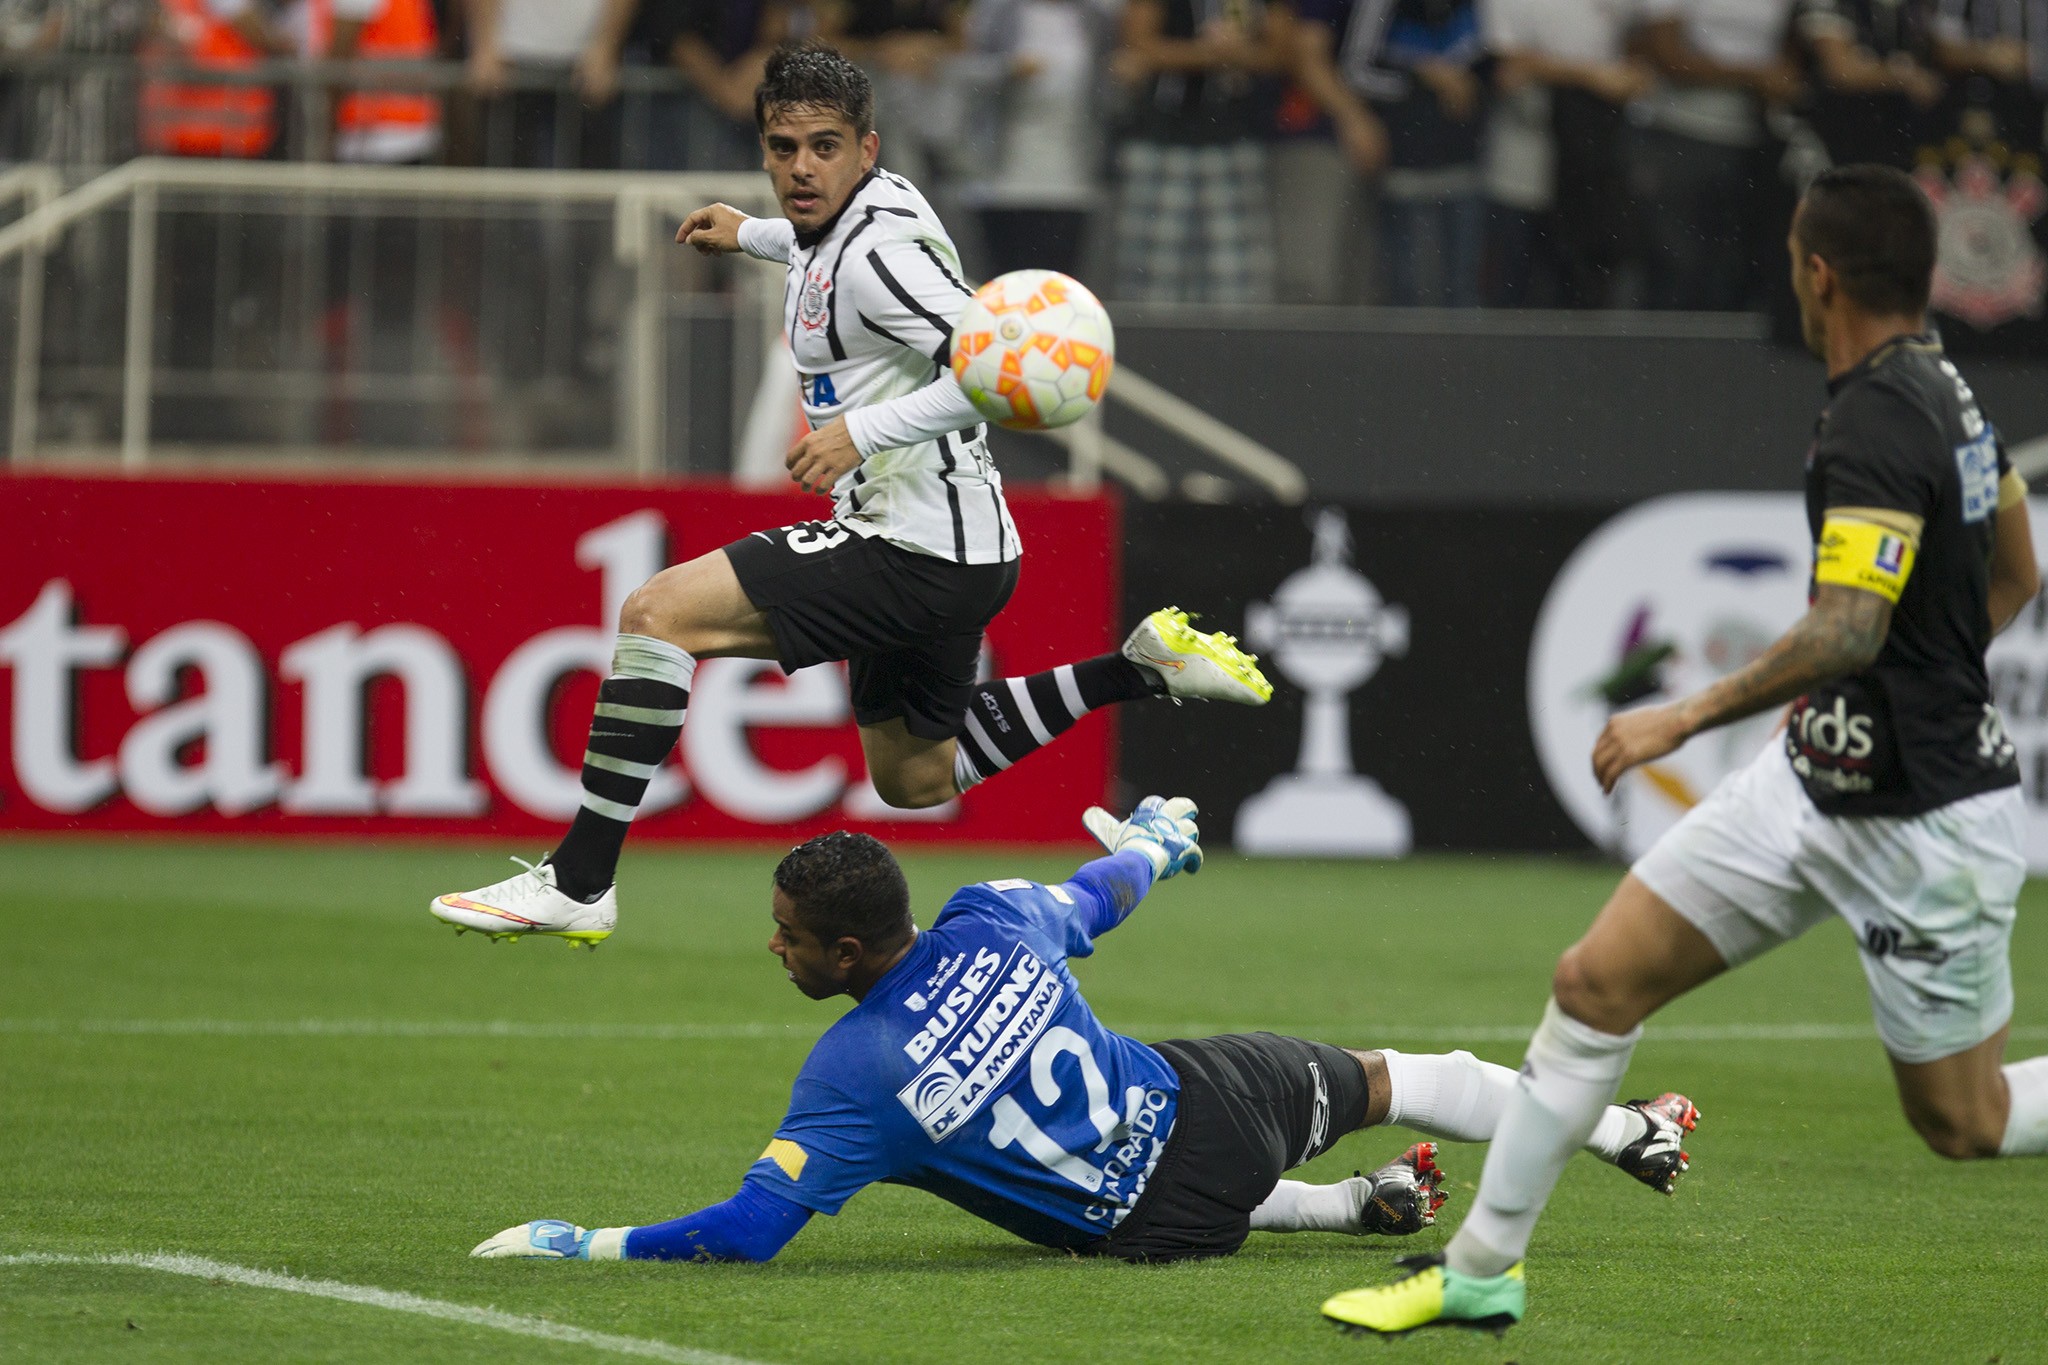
(2011, 489)
(1862, 554)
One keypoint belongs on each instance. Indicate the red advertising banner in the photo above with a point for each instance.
(380, 658)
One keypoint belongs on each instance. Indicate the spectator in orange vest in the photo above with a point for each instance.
(180, 117)
(383, 126)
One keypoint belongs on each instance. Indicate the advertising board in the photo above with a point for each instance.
(384, 658)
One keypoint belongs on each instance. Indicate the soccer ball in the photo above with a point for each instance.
(1033, 350)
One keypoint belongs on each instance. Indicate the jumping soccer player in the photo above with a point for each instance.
(1892, 800)
(972, 1068)
(918, 556)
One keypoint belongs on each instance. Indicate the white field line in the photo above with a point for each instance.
(199, 1268)
(1354, 1034)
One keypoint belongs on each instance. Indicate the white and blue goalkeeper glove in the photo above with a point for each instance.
(551, 1239)
(1164, 831)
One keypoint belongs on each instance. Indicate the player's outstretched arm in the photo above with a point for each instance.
(751, 1226)
(1159, 839)
(1163, 830)
(721, 229)
(1841, 633)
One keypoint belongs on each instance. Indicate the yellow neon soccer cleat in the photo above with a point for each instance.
(1191, 663)
(1431, 1294)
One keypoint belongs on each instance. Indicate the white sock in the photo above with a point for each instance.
(1451, 1095)
(1457, 1097)
(1618, 1127)
(1297, 1206)
(1571, 1073)
(965, 774)
(2026, 1124)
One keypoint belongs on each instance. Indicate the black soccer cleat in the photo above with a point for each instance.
(1655, 1158)
(1404, 1197)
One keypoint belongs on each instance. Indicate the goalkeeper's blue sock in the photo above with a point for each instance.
(1010, 718)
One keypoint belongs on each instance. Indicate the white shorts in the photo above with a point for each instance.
(1930, 897)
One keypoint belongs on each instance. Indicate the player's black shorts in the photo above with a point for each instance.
(908, 625)
(1252, 1107)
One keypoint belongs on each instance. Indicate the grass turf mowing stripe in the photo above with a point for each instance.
(200, 1268)
(668, 1033)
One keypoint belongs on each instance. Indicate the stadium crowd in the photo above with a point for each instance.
(1577, 153)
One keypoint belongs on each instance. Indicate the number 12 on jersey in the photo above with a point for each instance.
(1012, 1124)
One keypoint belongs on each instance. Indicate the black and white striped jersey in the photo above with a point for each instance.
(869, 306)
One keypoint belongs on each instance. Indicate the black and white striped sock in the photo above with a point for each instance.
(1012, 717)
(638, 718)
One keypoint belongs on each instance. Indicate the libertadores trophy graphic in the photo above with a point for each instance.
(1328, 630)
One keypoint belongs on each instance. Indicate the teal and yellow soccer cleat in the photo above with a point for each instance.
(1431, 1294)
(1207, 666)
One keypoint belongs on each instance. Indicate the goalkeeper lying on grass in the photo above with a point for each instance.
(972, 1068)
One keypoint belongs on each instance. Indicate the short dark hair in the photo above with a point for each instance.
(847, 886)
(818, 76)
(1875, 229)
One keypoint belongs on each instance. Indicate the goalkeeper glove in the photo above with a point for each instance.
(1164, 831)
(551, 1239)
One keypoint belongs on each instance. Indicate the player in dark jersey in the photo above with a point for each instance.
(1891, 798)
(972, 1068)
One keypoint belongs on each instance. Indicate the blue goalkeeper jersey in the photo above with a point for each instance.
(974, 1070)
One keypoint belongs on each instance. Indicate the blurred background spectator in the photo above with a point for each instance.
(71, 118)
(1194, 221)
(386, 127)
(1432, 103)
(215, 264)
(1699, 156)
(1996, 52)
(373, 254)
(1872, 77)
(721, 47)
(1328, 152)
(1558, 168)
(548, 127)
(907, 47)
(1547, 153)
(1043, 68)
(181, 115)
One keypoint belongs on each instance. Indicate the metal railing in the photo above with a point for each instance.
(661, 287)
(641, 211)
(31, 188)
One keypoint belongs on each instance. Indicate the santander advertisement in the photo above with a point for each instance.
(381, 658)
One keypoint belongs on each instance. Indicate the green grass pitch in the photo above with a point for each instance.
(270, 1056)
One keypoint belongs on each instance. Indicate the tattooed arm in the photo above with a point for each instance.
(1841, 633)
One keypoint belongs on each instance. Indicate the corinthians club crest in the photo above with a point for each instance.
(1327, 630)
(812, 304)
(1988, 268)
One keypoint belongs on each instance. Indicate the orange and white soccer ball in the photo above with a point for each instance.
(1033, 350)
